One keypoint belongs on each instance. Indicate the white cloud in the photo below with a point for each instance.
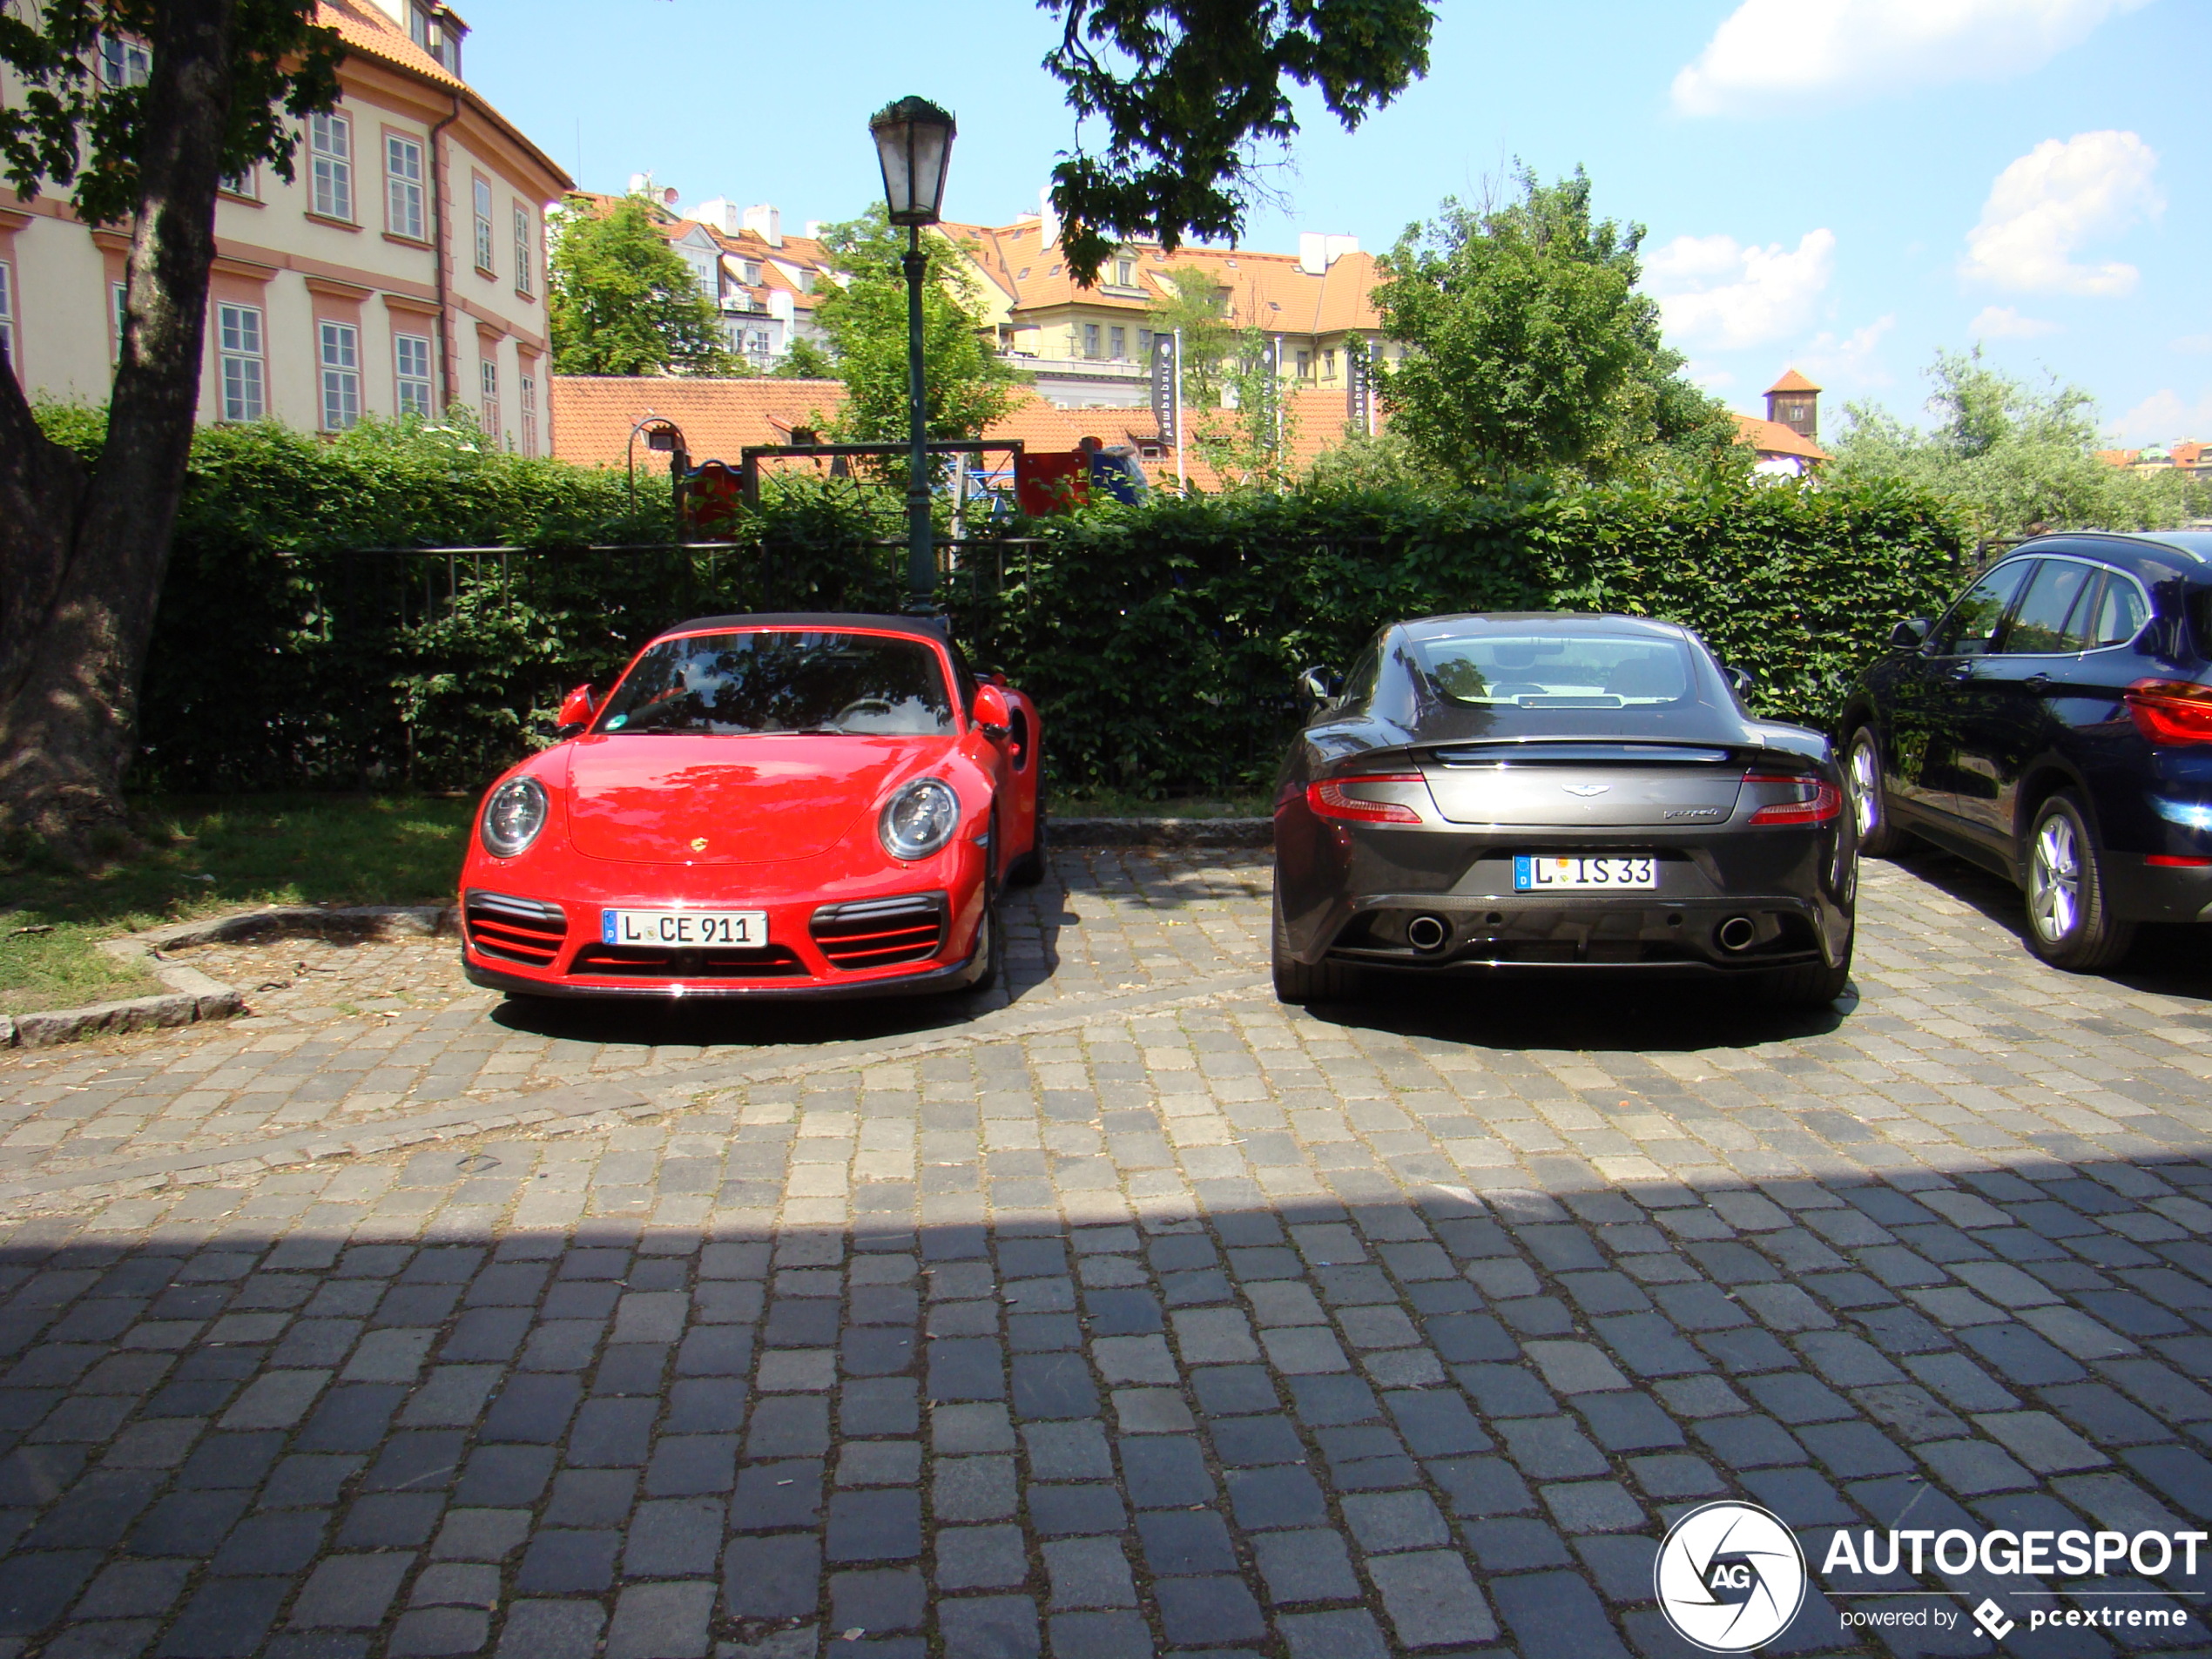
(1716, 292)
(2162, 417)
(1768, 52)
(2002, 322)
(2052, 201)
(1850, 357)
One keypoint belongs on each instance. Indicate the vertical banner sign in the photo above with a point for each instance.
(1163, 399)
(1358, 391)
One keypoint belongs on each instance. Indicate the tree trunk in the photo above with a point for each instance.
(84, 550)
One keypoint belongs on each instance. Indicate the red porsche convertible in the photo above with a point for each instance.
(764, 806)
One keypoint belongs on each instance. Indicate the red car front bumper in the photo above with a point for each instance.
(899, 931)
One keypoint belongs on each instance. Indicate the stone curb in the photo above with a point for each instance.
(1162, 831)
(192, 995)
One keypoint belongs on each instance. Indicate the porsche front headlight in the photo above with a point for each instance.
(919, 819)
(514, 813)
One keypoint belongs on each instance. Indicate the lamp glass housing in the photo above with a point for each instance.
(913, 142)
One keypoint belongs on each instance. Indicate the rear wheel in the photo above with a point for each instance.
(1877, 837)
(1298, 981)
(1815, 985)
(2070, 923)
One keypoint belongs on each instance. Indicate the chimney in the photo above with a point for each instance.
(1048, 217)
(767, 223)
(1318, 251)
(720, 212)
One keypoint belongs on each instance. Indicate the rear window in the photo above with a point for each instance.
(1548, 670)
(770, 681)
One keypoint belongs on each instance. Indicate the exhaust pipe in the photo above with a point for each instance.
(1427, 933)
(1737, 933)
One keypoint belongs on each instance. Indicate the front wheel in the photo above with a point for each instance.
(1298, 981)
(1877, 837)
(2070, 923)
(991, 947)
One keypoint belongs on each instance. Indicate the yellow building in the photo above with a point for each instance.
(1092, 347)
(402, 270)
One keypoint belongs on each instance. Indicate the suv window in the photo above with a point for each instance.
(2053, 615)
(2116, 613)
(1968, 627)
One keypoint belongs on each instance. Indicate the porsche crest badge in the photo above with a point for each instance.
(699, 844)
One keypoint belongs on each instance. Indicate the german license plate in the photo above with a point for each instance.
(1534, 872)
(735, 927)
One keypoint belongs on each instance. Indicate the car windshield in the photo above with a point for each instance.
(1558, 670)
(774, 680)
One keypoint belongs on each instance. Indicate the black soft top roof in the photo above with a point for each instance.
(930, 628)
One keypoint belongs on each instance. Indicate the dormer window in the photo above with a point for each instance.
(1124, 273)
(438, 32)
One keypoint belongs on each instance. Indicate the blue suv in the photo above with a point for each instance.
(2055, 725)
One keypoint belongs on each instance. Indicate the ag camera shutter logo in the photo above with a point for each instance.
(1730, 1577)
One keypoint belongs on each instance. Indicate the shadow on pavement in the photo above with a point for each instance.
(1398, 1417)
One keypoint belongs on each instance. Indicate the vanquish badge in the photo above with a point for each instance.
(1730, 1577)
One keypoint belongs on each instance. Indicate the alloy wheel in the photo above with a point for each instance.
(1865, 782)
(2054, 879)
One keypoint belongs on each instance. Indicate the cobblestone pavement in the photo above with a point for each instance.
(1136, 1315)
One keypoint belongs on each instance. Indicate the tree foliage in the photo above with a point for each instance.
(78, 129)
(967, 385)
(2012, 457)
(1529, 348)
(1192, 91)
(623, 301)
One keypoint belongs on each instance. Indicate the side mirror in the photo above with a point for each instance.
(1741, 679)
(1320, 683)
(576, 711)
(993, 713)
(1910, 634)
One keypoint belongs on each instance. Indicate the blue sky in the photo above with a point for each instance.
(1843, 185)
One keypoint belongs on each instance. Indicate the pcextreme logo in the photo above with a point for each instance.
(1730, 1577)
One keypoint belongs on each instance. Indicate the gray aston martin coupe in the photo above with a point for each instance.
(1556, 794)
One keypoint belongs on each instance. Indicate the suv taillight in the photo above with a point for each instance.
(2169, 712)
(1816, 801)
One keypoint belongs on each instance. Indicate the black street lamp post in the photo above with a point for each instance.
(914, 140)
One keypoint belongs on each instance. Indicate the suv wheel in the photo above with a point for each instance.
(2070, 923)
(1877, 837)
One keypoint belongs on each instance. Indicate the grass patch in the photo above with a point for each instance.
(1109, 803)
(203, 856)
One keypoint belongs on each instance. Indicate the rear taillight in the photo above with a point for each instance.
(2170, 711)
(1328, 800)
(1814, 800)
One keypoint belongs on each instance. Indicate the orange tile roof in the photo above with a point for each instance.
(2118, 457)
(1772, 438)
(593, 416)
(368, 29)
(1792, 381)
(2188, 453)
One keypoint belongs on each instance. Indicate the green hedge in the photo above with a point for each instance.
(1161, 641)
(294, 647)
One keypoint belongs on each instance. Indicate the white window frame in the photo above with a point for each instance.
(118, 315)
(8, 314)
(338, 365)
(125, 61)
(413, 393)
(403, 214)
(246, 186)
(529, 412)
(330, 154)
(487, 407)
(525, 252)
(482, 202)
(241, 360)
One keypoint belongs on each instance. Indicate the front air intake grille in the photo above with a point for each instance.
(880, 933)
(644, 961)
(521, 930)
